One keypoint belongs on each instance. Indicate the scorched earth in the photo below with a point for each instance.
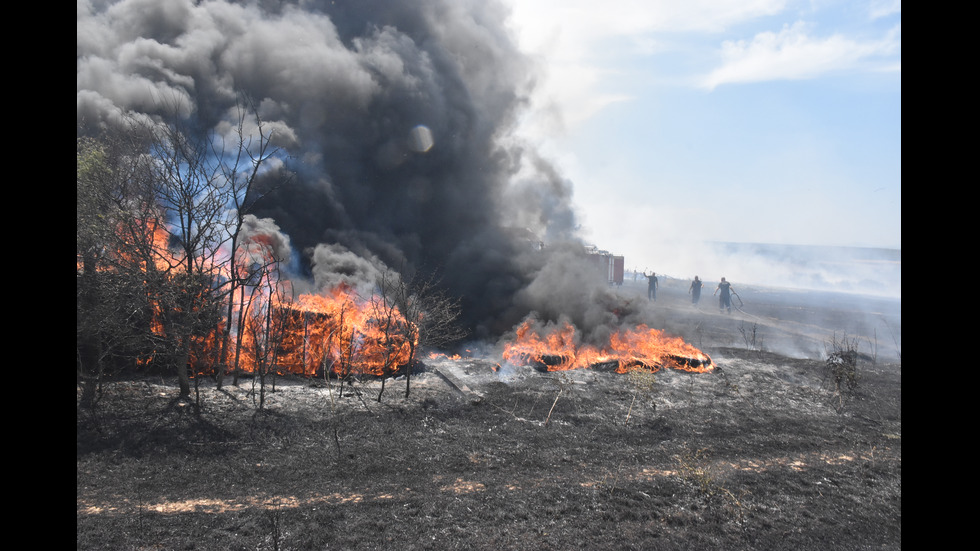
(761, 453)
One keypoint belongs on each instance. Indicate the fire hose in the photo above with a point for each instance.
(740, 304)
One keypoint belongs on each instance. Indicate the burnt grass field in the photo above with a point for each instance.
(762, 453)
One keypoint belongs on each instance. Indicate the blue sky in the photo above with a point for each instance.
(774, 121)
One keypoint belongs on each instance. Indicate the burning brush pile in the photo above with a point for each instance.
(342, 334)
(639, 348)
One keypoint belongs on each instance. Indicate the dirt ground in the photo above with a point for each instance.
(759, 454)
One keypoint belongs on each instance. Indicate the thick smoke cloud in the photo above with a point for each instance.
(397, 117)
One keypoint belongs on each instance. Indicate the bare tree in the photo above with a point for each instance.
(160, 206)
(265, 328)
(193, 195)
(348, 344)
(202, 182)
(394, 332)
(241, 164)
(429, 315)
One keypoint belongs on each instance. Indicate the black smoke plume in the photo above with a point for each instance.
(398, 118)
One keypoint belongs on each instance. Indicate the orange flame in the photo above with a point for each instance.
(641, 347)
(336, 331)
(341, 333)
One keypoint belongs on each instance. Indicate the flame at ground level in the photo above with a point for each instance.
(641, 347)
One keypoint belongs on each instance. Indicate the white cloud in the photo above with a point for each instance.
(792, 54)
(572, 38)
(884, 8)
(584, 22)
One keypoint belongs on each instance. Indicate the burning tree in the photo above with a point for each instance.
(161, 209)
(193, 197)
(137, 299)
(248, 156)
(162, 264)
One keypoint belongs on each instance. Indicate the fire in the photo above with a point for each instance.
(342, 333)
(263, 327)
(336, 332)
(441, 356)
(641, 347)
(266, 327)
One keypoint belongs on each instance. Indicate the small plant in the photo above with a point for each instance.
(751, 336)
(140, 509)
(274, 513)
(563, 381)
(693, 466)
(898, 345)
(644, 381)
(735, 388)
(873, 346)
(842, 372)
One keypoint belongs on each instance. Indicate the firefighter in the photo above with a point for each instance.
(652, 285)
(695, 290)
(725, 299)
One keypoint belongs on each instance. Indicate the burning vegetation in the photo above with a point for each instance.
(253, 230)
(167, 279)
(157, 291)
(267, 328)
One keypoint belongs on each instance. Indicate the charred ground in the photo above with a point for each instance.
(760, 454)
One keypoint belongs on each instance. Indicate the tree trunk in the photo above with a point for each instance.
(183, 376)
(410, 366)
(89, 393)
(219, 376)
(89, 363)
(240, 333)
